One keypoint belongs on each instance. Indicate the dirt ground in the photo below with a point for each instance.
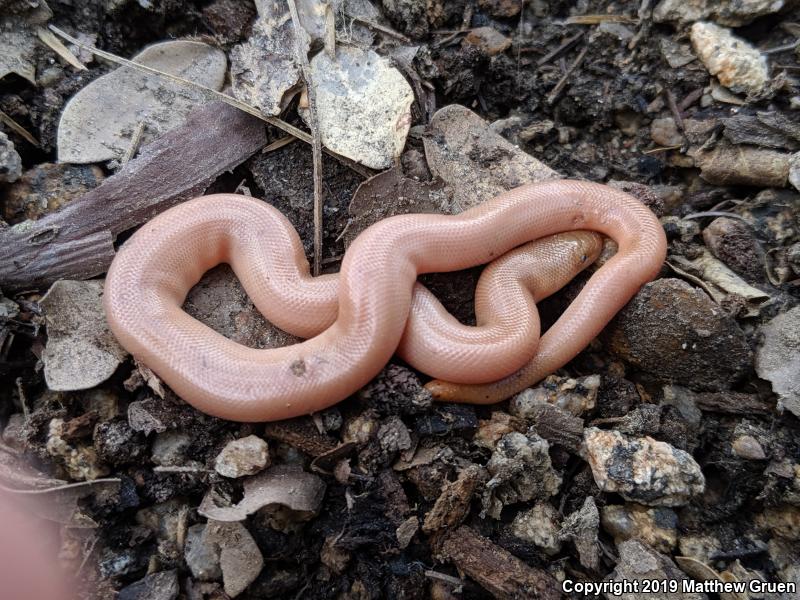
(668, 450)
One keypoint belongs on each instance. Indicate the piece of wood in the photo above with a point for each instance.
(498, 571)
(76, 242)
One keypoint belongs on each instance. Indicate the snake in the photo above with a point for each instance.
(357, 319)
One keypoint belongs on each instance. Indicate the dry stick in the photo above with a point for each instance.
(673, 107)
(566, 45)
(553, 95)
(243, 106)
(300, 35)
(18, 129)
(379, 28)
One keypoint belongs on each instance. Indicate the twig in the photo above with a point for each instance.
(277, 144)
(596, 19)
(300, 36)
(662, 149)
(466, 19)
(243, 106)
(673, 107)
(380, 28)
(553, 95)
(784, 48)
(690, 99)
(136, 140)
(56, 46)
(565, 45)
(18, 129)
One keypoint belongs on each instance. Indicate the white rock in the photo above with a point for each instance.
(778, 358)
(81, 351)
(99, 121)
(245, 456)
(642, 470)
(10, 162)
(363, 105)
(539, 525)
(725, 12)
(738, 65)
(794, 170)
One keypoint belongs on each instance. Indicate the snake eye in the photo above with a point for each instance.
(583, 257)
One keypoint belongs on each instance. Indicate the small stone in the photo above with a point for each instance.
(747, 447)
(488, 40)
(201, 557)
(778, 358)
(156, 586)
(727, 164)
(363, 105)
(639, 563)
(576, 396)
(642, 469)
(539, 526)
(170, 447)
(409, 16)
(80, 461)
(738, 65)
(10, 162)
(664, 132)
(245, 456)
(733, 242)
(117, 443)
(46, 188)
(695, 343)
(657, 527)
(521, 470)
(500, 8)
(733, 13)
(491, 430)
(794, 170)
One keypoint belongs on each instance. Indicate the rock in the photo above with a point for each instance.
(778, 358)
(410, 16)
(582, 527)
(225, 549)
(245, 456)
(46, 188)
(726, 164)
(539, 526)
(169, 447)
(264, 70)
(738, 65)
(521, 470)
(733, 242)
(474, 161)
(642, 470)
(733, 13)
(491, 430)
(748, 448)
(794, 170)
(664, 132)
(10, 162)
(694, 343)
(657, 527)
(81, 351)
(156, 586)
(639, 563)
(117, 443)
(488, 40)
(576, 396)
(98, 122)
(363, 105)
(783, 521)
(453, 504)
(80, 461)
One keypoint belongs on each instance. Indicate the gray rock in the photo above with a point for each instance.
(10, 162)
(81, 351)
(521, 470)
(156, 586)
(201, 555)
(363, 105)
(637, 562)
(576, 396)
(732, 241)
(656, 527)
(694, 343)
(642, 470)
(245, 456)
(733, 13)
(737, 65)
(539, 526)
(582, 528)
(98, 123)
(664, 132)
(778, 358)
(169, 447)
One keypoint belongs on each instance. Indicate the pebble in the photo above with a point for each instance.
(655, 526)
(664, 132)
(639, 563)
(169, 448)
(642, 469)
(794, 170)
(732, 241)
(117, 443)
(10, 162)
(156, 586)
(747, 447)
(539, 525)
(363, 105)
(695, 343)
(738, 65)
(488, 40)
(80, 461)
(778, 358)
(46, 188)
(500, 8)
(521, 470)
(576, 396)
(731, 13)
(245, 456)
